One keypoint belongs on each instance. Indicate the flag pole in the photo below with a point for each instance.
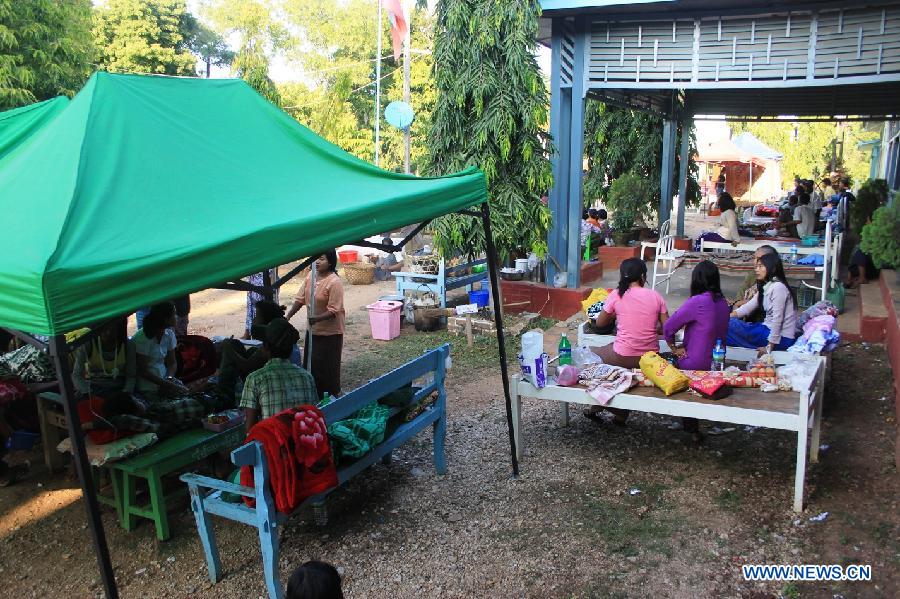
(378, 86)
(406, 74)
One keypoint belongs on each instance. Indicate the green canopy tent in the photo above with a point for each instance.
(145, 188)
(19, 124)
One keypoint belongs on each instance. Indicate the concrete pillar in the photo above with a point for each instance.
(560, 129)
(687, 124)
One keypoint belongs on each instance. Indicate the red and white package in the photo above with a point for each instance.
(711, 387)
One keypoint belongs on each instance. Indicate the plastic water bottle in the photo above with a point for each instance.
(326, 399)
(565, 350)
(718, 357)
(793, 253)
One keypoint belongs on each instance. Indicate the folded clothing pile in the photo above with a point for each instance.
(818, 336)
(604, 382)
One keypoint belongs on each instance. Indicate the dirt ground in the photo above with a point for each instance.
(568, 526)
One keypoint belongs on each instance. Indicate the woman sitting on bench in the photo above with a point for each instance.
(775, 298)
(106, 365)
(155, 347)
(639, 312)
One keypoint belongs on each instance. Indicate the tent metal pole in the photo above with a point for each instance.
(294, 271)
(59, 352)
(310, 311)
(498, 321)
(29, 339)
(268, 291)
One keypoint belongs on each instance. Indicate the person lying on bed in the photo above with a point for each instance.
(775, 298)
(123, 412)
(639, 312)
(704, 318)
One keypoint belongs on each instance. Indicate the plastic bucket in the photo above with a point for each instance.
(21, 440)
(396, 298)
(384, 318)
(479, 297)
(522, 264)
(347, 256)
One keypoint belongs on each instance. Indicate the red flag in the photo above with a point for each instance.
(398, 24)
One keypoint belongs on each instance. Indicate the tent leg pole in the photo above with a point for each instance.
(498, 321)
(59, 352)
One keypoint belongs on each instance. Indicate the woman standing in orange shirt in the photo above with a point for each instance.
(327, 325)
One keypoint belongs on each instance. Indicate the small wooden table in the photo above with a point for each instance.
(156, 461)
(790, 411)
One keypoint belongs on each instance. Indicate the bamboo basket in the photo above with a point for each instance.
(359, 273)
(425, 264)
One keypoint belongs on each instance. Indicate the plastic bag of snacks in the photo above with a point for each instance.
(664, 375)
(763, 366)
(596, 296)
(711, 387)
(567, 376)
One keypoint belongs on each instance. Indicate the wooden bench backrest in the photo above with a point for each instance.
(452, 270)
(432, 361)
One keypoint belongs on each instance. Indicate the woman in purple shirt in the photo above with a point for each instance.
(704, 318)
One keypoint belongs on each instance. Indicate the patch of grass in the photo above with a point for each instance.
(380, 357)
(543, 323)
(790, 591)
(729, 500)
(625, 530)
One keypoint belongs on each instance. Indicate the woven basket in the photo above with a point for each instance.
(359, 273)
(426, 264)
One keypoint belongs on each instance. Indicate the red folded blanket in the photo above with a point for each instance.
(298, 456)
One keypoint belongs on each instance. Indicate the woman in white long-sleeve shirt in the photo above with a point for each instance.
(774, 297)
(728, 224)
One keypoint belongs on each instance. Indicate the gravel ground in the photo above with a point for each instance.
(567, 527)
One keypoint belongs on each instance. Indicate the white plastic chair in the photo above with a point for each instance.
(665, 252)
(663, 231)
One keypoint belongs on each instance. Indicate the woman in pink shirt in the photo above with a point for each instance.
(639, 313)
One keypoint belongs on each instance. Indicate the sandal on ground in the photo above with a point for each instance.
(14, 474)
(591, 415)
(620, 420)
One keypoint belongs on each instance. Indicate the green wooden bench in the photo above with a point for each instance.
(152, 464)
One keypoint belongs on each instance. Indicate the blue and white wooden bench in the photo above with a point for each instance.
(445, 280)
(206, 493)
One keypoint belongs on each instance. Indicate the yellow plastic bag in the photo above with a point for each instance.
(597, 295)
(664, 375)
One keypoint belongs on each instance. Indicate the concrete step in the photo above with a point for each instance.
(848, 322)
(873, 313)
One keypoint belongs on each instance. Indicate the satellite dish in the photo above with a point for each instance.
(399, 114)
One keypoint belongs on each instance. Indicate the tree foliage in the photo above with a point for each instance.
(881, 237)
(258, 25)
(872, 195)
(619, 141)
(627, 200)
(807, 148)
(144, 36)
(45, 49)
(337, 53)
(491, 106)
(208, 45)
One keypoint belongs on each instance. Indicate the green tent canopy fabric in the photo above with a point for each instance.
(19, 124)
(146, 188)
